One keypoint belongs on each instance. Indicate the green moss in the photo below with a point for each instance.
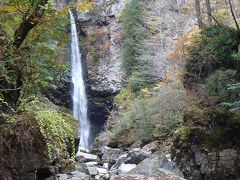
(95, 55)
(185, 133)
(182, 136)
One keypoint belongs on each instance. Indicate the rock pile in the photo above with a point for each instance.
(113, 163)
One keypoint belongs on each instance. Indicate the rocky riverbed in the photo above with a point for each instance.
(147, 162)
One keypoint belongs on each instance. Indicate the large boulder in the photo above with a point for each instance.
(137, 155)
(110, 155)
(119, 161)
(151, 165)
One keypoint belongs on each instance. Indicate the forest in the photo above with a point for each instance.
(119, 89)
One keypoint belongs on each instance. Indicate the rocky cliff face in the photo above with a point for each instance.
(204, 148)
(101, 41)
(100, 36)
(166, 22)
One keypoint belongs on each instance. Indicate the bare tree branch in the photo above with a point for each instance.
(233, 15)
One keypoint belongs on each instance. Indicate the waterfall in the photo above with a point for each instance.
(79, 91)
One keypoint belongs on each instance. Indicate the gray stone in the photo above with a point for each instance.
(125, 168)
(119, 161)
(150, 165)
(110, 154)
(82, 167)
(106, 176)
(168, 156)
(113, 171)
(92, 170)
(102, 171)
(79, 176)
(106, 165)
(97, 177)
(91, 163)
(135, 156)
(132, 176)
(85, 157)
(84, 150)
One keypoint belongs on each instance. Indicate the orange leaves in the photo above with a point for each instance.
(172, 78)
(183, 44)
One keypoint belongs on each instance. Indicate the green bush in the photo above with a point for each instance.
(148, 119)
(56, 127)
(218, 83)
(234, 104)
(139, 81)
(216, 49)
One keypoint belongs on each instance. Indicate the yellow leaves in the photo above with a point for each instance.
(175, 77)
(183, 44)
(124, 98)
(8, 9)
(146, 92)
(85, 6)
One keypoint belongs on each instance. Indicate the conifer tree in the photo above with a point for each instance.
(133, 33)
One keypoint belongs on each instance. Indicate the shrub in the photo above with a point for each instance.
(56, 128)
(95, 55)
(214, 50)
(133, 88)
(234, 105)
(217, 84)
(147, 119)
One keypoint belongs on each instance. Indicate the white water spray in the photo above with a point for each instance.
(79, 92)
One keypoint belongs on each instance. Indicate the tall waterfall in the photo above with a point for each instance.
(79, 91)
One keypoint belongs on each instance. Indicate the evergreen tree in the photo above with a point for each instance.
(133, 34)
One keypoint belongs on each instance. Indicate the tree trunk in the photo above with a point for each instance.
(233, 15)
(28, 24)
(209, 12)
(198, 12)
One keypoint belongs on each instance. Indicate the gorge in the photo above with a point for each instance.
(119, 89)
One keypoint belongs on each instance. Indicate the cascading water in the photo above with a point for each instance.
(79, 91)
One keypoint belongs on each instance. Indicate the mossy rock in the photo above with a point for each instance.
(185, 136)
